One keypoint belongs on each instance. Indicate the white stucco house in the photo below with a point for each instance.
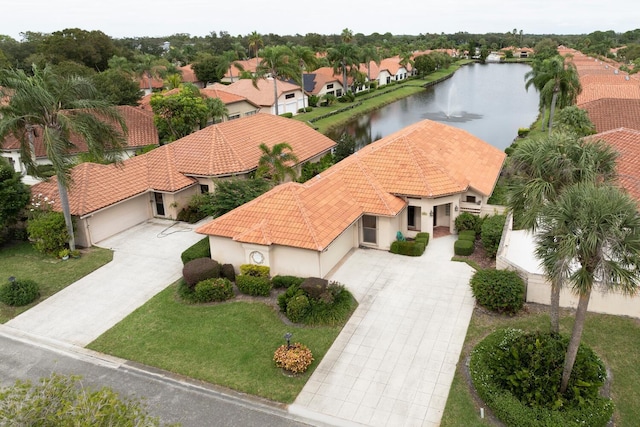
(416, 179)
(107, 199)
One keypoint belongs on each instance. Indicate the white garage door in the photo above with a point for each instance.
(119, 217)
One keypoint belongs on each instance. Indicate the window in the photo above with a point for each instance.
(330, 86)
(369, 232)
(234, 116)
(413, 217)
(159, 204)
(471, 199)
(204, 189)
(250, 113)
(289, 95)
(339, 93)
(330, 93)
(447, 209)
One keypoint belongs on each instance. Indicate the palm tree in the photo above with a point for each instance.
(307, 60)
(255, 43)
(58, 107)
(590, 237)
(279, 63)
(217, 109)
(150, 67)
(541, 169)
(343, 59)
(276, 163)
(228, 61)
(346, 36)
(557, 81)
(369, 54)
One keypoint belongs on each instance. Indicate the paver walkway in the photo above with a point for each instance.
(146, 260)
(394, 361)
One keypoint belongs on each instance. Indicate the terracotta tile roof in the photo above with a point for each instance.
(608, 113)
(593, 92)
(156, 83)
(248, 65)
(263, 94)
(627, 143)
(216, 90)
(188, 75)
(224, 149)
(141, 131)
(321, 77)
(426, 159)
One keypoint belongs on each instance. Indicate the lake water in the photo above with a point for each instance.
(487, 100)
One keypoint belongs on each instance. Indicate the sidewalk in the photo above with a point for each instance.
(146, 260)
(394, 361)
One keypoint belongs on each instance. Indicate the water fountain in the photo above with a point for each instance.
(449, 105)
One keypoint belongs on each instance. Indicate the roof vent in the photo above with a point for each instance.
(615, 71)
(626, 77)
(606, 67)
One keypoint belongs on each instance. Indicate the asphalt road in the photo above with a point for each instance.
(174, 400)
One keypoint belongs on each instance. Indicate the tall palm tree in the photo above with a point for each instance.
(346, 36)
(255, 43)
(229, 61)
(150, 67)
(276, 163)
(541, 169)
(279, 63)
(217, 109)
(343, 59)
(56, 108)
(369, 54)
(590, 237)
(307, 60)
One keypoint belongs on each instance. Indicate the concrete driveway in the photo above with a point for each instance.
(146, 260)
(394, 361)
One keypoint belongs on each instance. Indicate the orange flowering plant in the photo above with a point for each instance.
(295, 358)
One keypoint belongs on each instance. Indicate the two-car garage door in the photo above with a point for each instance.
(118, 217)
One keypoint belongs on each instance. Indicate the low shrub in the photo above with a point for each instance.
(422, 237)
(48, 232)
(286, 281)
(492, 233)
(313, 100)
(200, 249)
(410, 248)
(295, 358)
(467, 235)
(283, 299)
(297, 308)
(305, 110)
(466, 221)
(314, 286)
(228, 272)
(523, 132)
(287, 115)
(190, 214)
(463, 247)
(332, 309)
(253, 285)
(200, 269)
(501, 291)
(510, 350)
(254, 270)
(211, 290)
(19, 292)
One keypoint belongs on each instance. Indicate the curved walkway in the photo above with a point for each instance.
(394, 361)
(146, 260)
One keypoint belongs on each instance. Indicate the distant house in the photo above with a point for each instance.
(289, 94)
(141, 132)
(247, 65)
(414, 180)
(107, 199)
(322, 82)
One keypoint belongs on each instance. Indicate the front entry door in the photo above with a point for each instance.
(159, 204)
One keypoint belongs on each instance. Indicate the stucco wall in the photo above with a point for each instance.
(226, 251)
(286, 260)
(338, 249)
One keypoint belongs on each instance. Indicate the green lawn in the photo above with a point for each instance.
(23, 262)
(229, 344)
(615, 339)
(400, 90)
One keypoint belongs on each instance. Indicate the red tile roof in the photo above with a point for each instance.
(220, 150)
(427, 159)
(609, 113)
(263, 94)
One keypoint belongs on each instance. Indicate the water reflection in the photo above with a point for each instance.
(487, 100)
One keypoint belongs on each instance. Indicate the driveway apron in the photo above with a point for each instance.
(393, 362)
(146, 260)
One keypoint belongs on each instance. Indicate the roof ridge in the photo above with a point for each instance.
(377, 187)
(304, 215)
(218, 131)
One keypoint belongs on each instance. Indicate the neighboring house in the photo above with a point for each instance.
(189, 76)
(248, 65)
(388, 71)
(107, 199)
(289, 95)
(148, 86)
(324, 82)
(607, 113)
(237, 106)
(141, 132)
(612, 85)
(413, 180)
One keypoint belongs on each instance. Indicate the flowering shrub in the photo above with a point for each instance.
(46, 228)
(295, 358)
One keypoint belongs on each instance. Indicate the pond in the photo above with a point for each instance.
(487, 100)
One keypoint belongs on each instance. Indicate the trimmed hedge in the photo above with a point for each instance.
(463, 247)
(285, 281)
(211, 290)
(19, 292)
(200, 249)
(297, 308)
(200, 269)
(467, 235)
(595, 412)
(422, 237)
(410, 248)
(228, 272)
(331, 308)
(253, 285)
(492, 233)
(255, 270)
(501, 291)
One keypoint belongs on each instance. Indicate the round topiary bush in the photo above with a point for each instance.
(295, 358)
(211, 290)
(518, 376)
(463, 247)
(501, 291)
(297, 308)
(228, 272)
(19, 292)
(200, 269)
